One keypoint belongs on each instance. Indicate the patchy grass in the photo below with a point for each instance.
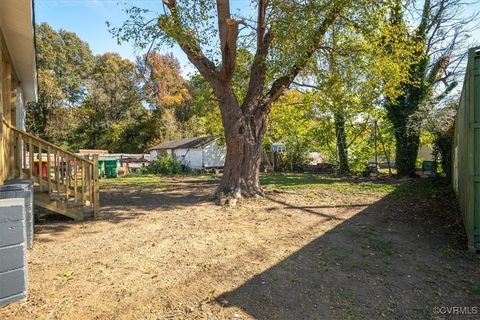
(149, 181)
(295, 181)
(330, 182)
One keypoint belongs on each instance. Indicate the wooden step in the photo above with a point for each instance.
(69, 209)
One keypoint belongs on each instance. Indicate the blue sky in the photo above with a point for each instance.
(87, 19)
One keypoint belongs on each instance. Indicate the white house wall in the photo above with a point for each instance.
(192, 158)
(153, 155)
(213, 155)
(16, 22)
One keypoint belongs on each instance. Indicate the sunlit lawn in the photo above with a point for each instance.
(290, 181)
(149, 181)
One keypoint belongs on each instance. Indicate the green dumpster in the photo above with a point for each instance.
(100, 168)
(110, 168)
(429, 166)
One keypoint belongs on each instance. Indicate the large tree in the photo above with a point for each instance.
(285, 34)
(166, 93)
(112, 103)
(64, 64)
(439, 40)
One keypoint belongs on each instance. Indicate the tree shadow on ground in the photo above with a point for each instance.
(304, 179)
(398, 258)
(122, 204)
(313, 209)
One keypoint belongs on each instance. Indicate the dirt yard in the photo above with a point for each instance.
(314, 248)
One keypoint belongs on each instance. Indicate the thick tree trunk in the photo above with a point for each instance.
(341, 143)
(244, 131)
(407, 144)
(241, 174)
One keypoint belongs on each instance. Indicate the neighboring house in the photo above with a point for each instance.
(193, 153)
(425, 152)
(63, 182)
(279, 147)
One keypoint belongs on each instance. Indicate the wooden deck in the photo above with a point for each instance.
(69, 209)
(64, 182)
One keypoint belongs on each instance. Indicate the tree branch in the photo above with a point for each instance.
(258, 70)
(282, 83)
(173, 28)
(228, 32)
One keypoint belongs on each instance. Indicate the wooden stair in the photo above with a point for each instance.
(64, 182)
(69, 209)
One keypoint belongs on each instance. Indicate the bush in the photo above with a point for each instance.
(442, 148)
(165, 164)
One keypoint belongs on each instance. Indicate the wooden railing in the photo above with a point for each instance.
(66, 177)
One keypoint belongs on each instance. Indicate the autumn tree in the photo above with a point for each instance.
(166, 93)
(285, 35)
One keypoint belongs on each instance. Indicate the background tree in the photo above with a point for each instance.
(350, 75)
(64, 63)
(113, 103)
(292, 121)
(166, 93)
(440, 43)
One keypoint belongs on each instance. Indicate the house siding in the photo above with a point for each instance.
(211, 155)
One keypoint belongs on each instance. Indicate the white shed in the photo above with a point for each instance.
(193, 153)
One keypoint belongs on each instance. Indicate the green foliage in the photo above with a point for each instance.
(291, 122)
(204, 107)
(165, 164)
(441, 126)
(88, 101)
(438, 39)
(64, 62)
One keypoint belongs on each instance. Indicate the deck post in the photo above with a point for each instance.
(49, 165)
(96, 189)
(40, 167)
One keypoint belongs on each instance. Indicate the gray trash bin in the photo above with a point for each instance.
(21, 188)
(13, 251)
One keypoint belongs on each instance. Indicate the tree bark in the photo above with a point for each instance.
(407, 144)
(342, 148)
(244, 136)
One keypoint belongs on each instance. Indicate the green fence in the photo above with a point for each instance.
(466, 150)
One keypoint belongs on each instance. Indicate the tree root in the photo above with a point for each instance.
(230, 199)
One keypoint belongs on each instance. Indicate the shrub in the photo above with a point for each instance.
(165, 164)
(442, 148)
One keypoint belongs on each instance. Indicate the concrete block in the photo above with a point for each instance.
(12, 283)
(13, 253)
(21, 188)
(12, 257)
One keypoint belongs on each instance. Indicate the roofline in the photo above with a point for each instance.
(35, 49)
(18, 29)
(207, 143)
